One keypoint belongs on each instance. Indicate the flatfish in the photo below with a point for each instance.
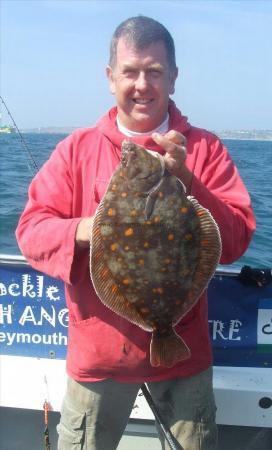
(153, 250)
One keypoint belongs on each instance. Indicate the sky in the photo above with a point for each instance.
(54, 54)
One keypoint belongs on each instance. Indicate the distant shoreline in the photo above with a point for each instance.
(243, 135)
(246, 136)
(262, 139)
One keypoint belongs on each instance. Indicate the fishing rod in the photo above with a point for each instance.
(164, 428)
(33, 167)
(46, 429)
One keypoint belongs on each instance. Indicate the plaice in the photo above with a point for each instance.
(153, 250)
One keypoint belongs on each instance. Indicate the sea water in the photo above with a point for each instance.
(252, 158)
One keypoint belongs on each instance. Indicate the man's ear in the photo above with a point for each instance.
(173, 77)
(110, 76)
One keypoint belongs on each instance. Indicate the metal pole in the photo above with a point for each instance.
(164, 428)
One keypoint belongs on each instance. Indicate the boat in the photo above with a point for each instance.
(6, 129)
(33, 341)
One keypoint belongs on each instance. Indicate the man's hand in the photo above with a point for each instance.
(83, 232)
(174, 143)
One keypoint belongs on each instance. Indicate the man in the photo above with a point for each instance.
(108, 357)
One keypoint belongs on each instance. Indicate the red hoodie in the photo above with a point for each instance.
(70, 186)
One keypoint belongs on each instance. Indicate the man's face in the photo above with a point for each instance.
(141, 82)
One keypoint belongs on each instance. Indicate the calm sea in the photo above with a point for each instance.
(253, 159)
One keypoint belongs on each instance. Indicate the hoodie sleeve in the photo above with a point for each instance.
(219, 188)
(47, 227)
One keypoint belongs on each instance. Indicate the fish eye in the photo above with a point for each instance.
(130, 157)
(124, 159)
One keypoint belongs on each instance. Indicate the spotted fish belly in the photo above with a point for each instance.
(152, 270)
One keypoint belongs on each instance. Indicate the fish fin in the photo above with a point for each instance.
(149, 206)
(209, 256)
(152, 197)
(168, 351)
(181, 186)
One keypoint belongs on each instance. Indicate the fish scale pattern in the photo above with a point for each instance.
(153, 250)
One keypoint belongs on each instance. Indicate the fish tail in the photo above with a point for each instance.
(168, 350)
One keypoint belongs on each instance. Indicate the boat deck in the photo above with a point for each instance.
(15, 434)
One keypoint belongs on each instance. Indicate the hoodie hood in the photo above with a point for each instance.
(108, 127)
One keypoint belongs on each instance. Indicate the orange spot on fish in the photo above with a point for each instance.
(126, 247)
(114, 247)
(205, 242)
(146, 245)
(114, 288)
(104, 272)
(163, 331)
(111, 212)
(124, 194)
(144, 310)
(183, 210)
(188, 237)
(113, 188)
(129, 232)
(184, 272)
(160, 290)
(161, 194)
(133, 213)
(170, 237)
(157, 219)
(126, 281)
(167, 260)
(141, 262)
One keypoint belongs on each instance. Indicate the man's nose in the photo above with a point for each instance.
(141, 81)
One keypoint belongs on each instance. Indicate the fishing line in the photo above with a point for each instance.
(33, 167)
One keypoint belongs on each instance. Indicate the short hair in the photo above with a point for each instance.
(140, 32)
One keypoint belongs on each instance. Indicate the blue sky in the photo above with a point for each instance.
(54, 54)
